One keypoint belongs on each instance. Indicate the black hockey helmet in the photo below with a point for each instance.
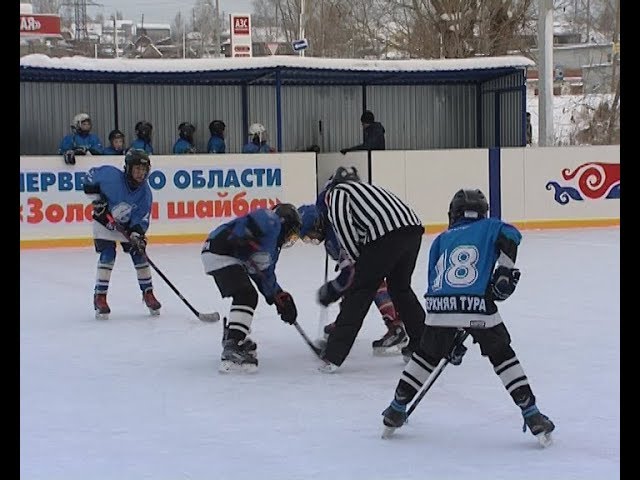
(467, 203)
(186, 131)
(143, 130)
(291, 223)
(115, 134)
(217, 127)
(344, 174)
(132, 158)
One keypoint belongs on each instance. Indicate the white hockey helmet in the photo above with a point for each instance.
(259, 130)
(79, 118)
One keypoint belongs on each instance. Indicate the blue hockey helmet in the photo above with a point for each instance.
(312, 229)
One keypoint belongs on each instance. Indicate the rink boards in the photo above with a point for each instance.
(550, 187)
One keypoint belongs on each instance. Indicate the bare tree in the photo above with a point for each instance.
(47, 6)
(178, 28)
(203, 17)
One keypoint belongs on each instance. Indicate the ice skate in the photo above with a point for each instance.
(238, 356)
(392, 342)
(101, 306)
(327, 367)
(394, 417)
(247, 345)
(539, 425)
(151, 302)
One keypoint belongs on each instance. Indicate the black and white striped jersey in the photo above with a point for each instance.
(361, 213)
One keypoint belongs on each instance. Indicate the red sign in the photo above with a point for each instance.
(241, 26)
(39, 25)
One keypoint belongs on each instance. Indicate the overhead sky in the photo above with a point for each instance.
(162, 11)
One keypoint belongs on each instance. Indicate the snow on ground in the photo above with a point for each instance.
(568, 112)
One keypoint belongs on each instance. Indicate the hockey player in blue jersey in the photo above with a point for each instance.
(123, 197)
(243, 250)
(185, 142)
(317, 229)
(143, 131)
(80, 141)
(471, 267)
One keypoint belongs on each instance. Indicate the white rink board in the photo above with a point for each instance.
(180, 211)
(540, 187)
(544, 165)
(427, 179)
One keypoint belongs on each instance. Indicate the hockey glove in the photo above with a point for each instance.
(138, 242)
(69, 157)
(327, 294)
(286, 307)
(504, 282)
(101, 211)
(80, 151)
(344, 151)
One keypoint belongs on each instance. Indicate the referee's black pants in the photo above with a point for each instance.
(392, 256)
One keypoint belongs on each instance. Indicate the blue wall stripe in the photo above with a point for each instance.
(495, 194)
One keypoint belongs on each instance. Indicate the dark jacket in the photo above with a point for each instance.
(373, 139)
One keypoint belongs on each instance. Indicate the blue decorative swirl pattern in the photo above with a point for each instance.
(562, 195)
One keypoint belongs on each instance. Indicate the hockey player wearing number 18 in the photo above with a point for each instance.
(236, 253)
(123, 197)
(462, 290)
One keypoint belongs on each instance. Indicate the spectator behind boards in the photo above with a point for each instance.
(144, 130)
(184, 143)
(216, 142)
(373, 134)
(257, 140)
(116, 143)
(80, 141)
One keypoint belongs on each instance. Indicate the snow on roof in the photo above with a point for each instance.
(287, 61)
(154, 26)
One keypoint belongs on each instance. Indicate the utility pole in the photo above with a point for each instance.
(217, 27)
(545, 72)
(301, 26)
(115, 37)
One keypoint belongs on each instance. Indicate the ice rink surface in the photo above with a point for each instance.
(138, 397)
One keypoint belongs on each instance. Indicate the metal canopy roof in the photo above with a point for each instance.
(267, 70)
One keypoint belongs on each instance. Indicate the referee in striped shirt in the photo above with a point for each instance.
(382, 235)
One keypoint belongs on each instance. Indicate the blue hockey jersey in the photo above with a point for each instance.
(89, 142)
(129, 207)
(461, 264)
(264, 226)
(140, 144)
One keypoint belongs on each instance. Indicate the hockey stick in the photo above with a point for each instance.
(443, 363)
(315, 349)
(324, 311)
(205, 317)
(302, 333)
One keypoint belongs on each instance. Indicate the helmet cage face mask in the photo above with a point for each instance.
(257, 132)
(144, 131)
(136, 158)
(291, 223)
(82, 123)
